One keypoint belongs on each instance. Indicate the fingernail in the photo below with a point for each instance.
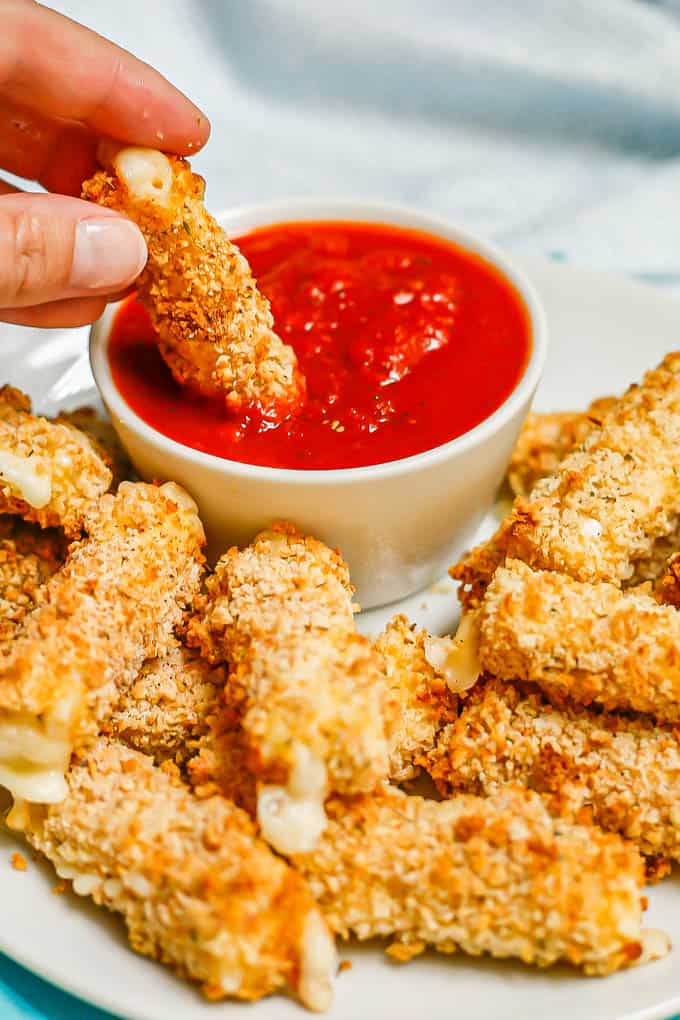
(107, 253)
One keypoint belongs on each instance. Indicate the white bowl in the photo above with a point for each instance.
(399, 524)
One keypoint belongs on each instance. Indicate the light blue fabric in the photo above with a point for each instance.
(550, 126)
(23, 996)
(553, 127)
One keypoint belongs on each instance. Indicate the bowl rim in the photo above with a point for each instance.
(252, 216)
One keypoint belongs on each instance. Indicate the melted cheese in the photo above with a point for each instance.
(146, 173)
(37, 785)
(28, 477)
(456, 659)
(178, 495)
(292, 817)
(318, 966)
(655, 945)
(33, 758)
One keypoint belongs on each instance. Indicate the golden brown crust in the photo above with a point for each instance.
(196, 888)
(215, 329)
(113, 604)
(669, 583)
(418, 701)
(29, 556)
(621, 772)
(166, 710)
(104, 438)
(491, 875)
(608, 504)
(583, 642)
(72, 468)
(280, 613)
(546, 439)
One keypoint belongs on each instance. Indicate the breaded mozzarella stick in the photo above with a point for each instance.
(419, 702)
(197, 890)
(50, 472)
(624, 773)
(546, 439)
(215, 329)
(609, 503)
(29, 556)
(583, 642)
(310, 689)
(112, 605)
(496, 875)
(166, 709)
(105, 439)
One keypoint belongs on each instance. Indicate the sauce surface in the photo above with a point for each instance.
(405, 342)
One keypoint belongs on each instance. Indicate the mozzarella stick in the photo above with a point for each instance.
(609, 503)
(197, 890)
(583, 642)
(310, 689)
(165, 711)
(50, 472)
(491, 875)
(222, 765)
(112, 605)
(215, 329)
(29, 556)
(418, 703)
(103, 437)
(546, 439)
(621, 772)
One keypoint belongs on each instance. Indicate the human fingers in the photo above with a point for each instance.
(56, 314)
(53, 248)
(53, 65)
(58, 155)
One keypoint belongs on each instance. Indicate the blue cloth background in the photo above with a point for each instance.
(553, 127)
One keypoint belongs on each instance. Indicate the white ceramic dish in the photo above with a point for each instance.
(605, 332)
(398, 524)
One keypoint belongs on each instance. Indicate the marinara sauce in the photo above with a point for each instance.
(405, 341)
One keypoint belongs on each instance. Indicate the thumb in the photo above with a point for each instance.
(53, 248)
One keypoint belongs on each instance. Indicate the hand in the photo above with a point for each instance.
(61, 88)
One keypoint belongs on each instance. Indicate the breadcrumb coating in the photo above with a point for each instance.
(418, 703)
(669, 583)
(197, 890)
(494, 875)
(222, 763)
(50, 472)
(215, 328)
(29, 556)
(280, 613)
(585, 642)
(113, 604)
(546, 439)
(623, 773)
(166, 710)
(608, 504)
(246, 593)
(104, 438)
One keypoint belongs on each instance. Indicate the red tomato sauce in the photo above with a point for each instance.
(405, 342)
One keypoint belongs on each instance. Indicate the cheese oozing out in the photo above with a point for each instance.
(456, 659)
(34, 755)
(28, 477)
(319, 964)
(146, 173)
(292, 817)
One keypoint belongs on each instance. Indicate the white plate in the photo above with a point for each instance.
(605, 332)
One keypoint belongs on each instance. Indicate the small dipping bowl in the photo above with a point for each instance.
(399, 524)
